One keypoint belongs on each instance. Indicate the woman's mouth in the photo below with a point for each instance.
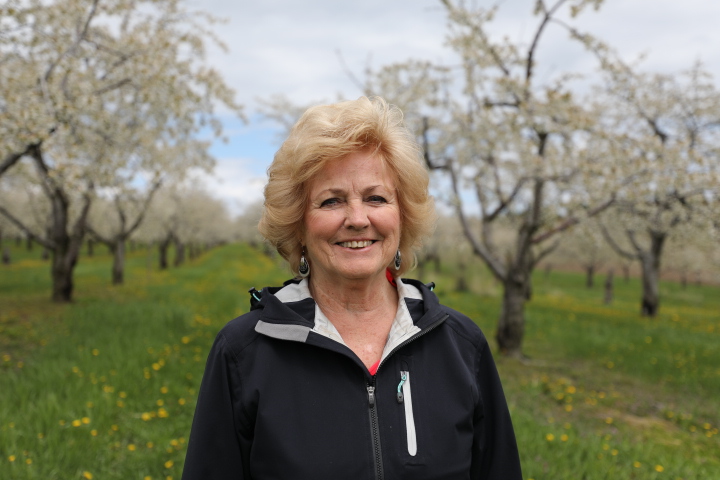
(356, 244)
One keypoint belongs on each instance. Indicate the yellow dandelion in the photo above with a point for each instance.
(131, 447)
(147, 477)
(162, 413)
(93, 433)
(76, 423)
(28, 461)
(12, 458)
(120, 403)
(181, 401)
(149, 444)
(163, 389)
(549, 437)
(168, 478)
(95, 352)
(174, 442)
(637, 464)
(614, 452)
(86, 420)
(185, 339)
(89, 404)
(609, 420)
(571, 389)
(160, 403)
(122, 395)
(169, 464)
(568, 408)
(6, 358)
(156, 366)
(87, 475)
(564, 437)
(115, 427)
(659, 468)
(606, 446)
(41, 435)
(145, 416)
(610, 364)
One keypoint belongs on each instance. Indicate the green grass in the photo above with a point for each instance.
(106, 386)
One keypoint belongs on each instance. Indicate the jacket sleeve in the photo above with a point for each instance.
(495, 453)
(214, 447)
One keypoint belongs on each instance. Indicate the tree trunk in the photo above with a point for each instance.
(626, 273)
(90, 247)
(609, 288)
(589, 276)
(179, 253)
(650, 263)
(163, 251)
(511, 327)
(66, 251)
(29, 243)
(461, 283)
(6, 256)
(118, 268)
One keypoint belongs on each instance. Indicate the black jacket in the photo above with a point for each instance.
(280, 401)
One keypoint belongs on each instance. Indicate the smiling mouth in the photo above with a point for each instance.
(355, 244)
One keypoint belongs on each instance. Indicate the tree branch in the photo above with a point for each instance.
(572, 221)
(495, 266)
(617, 248)
(42, 241)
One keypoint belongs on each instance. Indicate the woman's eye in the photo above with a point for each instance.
(330, 202)
(377, 199)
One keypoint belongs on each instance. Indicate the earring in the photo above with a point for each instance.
(398, 260)
(304, 267)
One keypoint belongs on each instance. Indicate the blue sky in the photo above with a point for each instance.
(291, 47)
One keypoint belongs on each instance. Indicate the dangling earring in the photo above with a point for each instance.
(398, 260)
(304, 267)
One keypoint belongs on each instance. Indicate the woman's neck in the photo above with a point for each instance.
(353, 297)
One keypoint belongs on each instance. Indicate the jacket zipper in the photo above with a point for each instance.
(375, 431)
(374, 424)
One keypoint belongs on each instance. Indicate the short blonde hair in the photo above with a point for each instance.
(330, 132)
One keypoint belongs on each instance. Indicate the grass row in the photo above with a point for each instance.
(105, 387)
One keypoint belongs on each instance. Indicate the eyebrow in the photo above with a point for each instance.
(341, 191)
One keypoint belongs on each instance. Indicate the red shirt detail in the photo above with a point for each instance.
(373, 368)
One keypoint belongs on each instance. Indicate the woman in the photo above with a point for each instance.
(349, 372)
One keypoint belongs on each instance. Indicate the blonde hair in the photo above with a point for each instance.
(330, 132)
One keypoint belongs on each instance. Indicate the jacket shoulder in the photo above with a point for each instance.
(464, 327)
(239, 332)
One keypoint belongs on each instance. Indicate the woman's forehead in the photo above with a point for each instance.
(358, 171)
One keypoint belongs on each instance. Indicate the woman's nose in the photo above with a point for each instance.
(356, 216)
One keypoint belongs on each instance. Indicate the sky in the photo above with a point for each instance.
(303, 50)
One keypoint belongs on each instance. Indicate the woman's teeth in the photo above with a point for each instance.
(354, 244)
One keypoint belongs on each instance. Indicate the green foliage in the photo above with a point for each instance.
(105, 387)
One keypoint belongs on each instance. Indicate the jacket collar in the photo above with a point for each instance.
(290, 313)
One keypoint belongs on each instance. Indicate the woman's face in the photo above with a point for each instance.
(352, 221)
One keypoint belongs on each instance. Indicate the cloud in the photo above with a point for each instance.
(234, 181)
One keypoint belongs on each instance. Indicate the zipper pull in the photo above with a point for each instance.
(400, 396)
(371, 395)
